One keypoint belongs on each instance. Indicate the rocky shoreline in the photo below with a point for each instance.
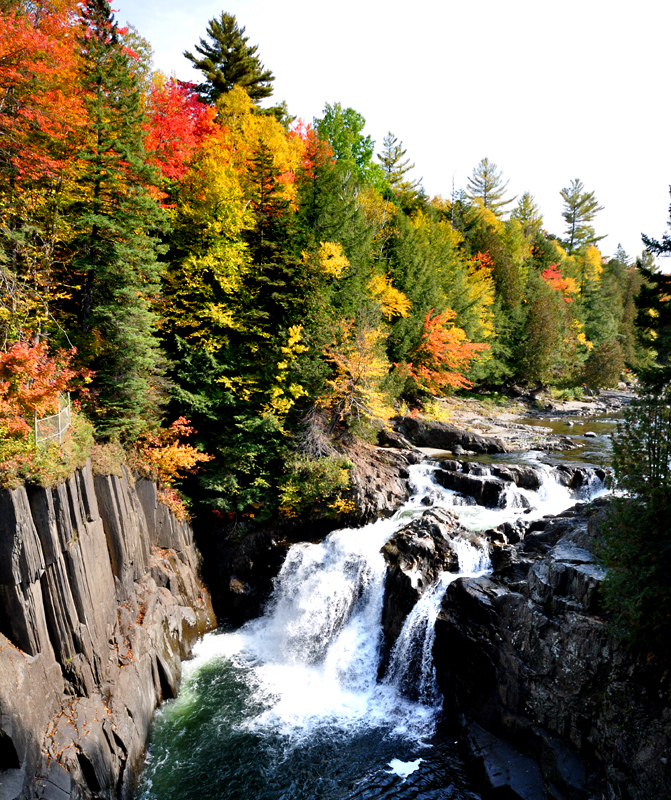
(550, 705)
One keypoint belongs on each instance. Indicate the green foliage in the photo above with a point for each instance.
(604, 365)
(315, 487)
(636, 541)
(228, 61)
(486, 186)
(580, 208)
(117, 223)
(21, 462)
(343, 128)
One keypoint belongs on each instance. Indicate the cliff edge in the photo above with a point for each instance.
(99, 602)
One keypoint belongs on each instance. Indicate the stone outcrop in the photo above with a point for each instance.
(442, 436)
(99, 603)
(508, 437)
(551, 706)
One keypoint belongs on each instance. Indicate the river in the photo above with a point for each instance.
(291, 706)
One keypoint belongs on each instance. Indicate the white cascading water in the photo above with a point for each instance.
(315, 653)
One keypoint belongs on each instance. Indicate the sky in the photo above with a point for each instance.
(550, 91)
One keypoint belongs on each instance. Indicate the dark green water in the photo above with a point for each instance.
(202, 747)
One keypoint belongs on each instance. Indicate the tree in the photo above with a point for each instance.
(116, 225)
(395, 169)
(580, 208)
(527, 213)
(636, 543)
(486, 185)
(228, 61)
(444, 354)
(343, 128)
(42, 121)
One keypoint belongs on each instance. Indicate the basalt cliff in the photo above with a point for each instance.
(99, 602)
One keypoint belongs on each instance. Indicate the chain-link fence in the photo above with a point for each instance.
(54, 427)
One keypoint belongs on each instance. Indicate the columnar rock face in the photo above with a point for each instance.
(99, 603)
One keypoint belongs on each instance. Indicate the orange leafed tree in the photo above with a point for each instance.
(30, 382)
(40, 105)
(444, 354)
(553, 277)
(177, 124)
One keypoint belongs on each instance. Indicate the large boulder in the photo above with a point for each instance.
(442, 436)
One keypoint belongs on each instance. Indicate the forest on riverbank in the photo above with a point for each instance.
(186, 257)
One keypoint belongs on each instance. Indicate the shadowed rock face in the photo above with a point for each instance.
(525, 657)
(99, 603)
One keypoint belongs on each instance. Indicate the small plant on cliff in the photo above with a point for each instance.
(636, 538)
(316, 486)
(163, 457)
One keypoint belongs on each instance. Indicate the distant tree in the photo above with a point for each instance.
(395, 168)
(527, 213)
(486, 185)
(654, 309)
(228, 61)
(343, 128)
(580, 208)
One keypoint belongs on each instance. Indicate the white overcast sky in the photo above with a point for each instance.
(549, 91)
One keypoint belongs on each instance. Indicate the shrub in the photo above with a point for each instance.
(316, 486)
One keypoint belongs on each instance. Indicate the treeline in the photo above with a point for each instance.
(277, 283)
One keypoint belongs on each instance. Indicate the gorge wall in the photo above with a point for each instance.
(551, 705)
(99, 602)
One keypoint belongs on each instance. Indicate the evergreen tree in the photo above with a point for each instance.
(228, 61)
(486, 185)
(580, 208)
(527, 213)
(395, 169)
(116, 235)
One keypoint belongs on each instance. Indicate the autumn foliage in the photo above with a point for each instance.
(30, 383)
(553, 277)
(177, 123)
(444, 354)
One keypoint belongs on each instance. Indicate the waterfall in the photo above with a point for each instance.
(411, 669)
(300, 684)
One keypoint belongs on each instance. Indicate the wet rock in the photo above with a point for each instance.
(485, 490)
(502, 768)
(415, 556)
(527, 657)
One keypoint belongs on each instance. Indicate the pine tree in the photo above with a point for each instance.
(527, 213)
(395, 168)
(486, 185)
(116, 239)
(580, 208)
(228, 61)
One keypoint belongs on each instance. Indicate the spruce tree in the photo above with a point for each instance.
(116, 238)
(580, 208)
(487, 186)
(228, 61)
